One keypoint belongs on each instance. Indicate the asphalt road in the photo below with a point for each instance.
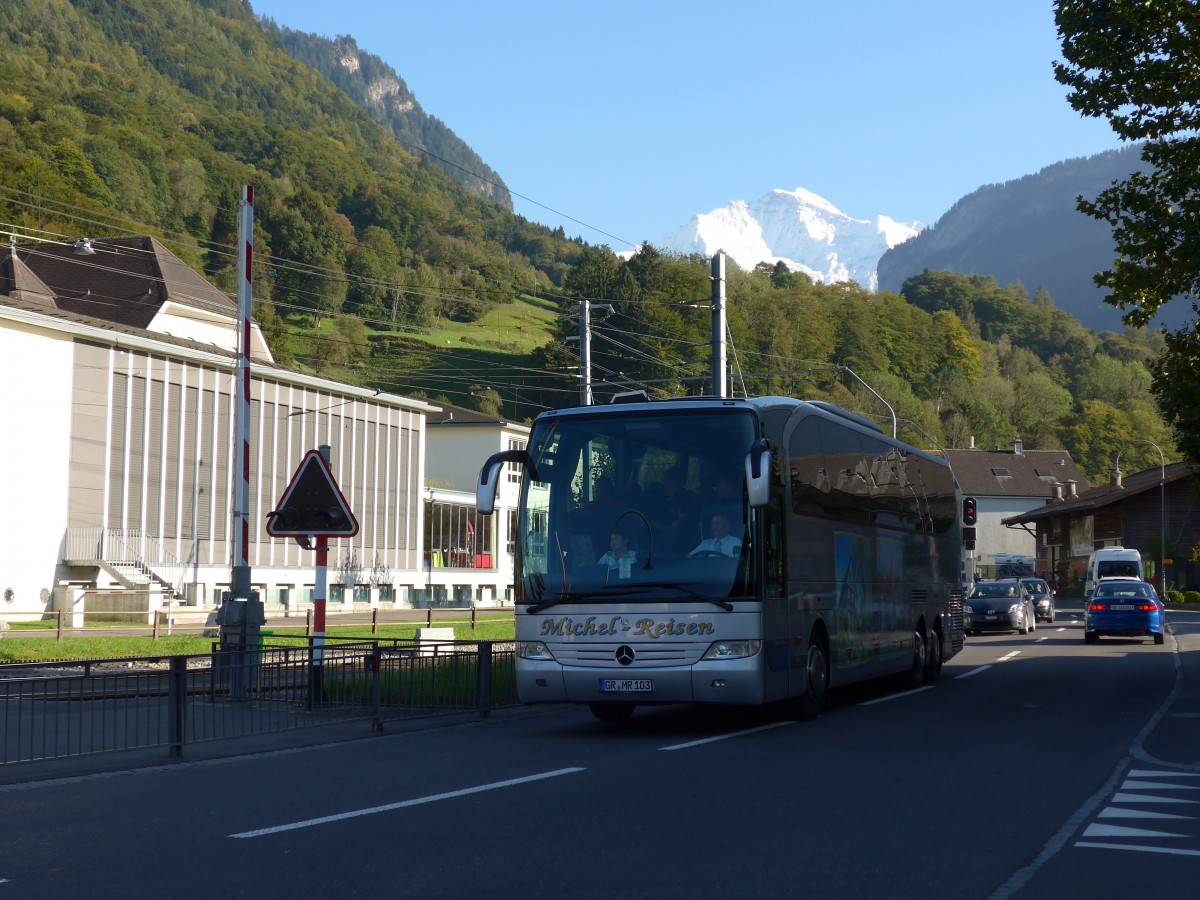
(1037, 766)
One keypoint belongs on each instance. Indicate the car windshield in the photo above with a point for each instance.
(1037, 587)
(994, 590)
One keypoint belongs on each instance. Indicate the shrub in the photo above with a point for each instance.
(1191, 597)
(1174, 596)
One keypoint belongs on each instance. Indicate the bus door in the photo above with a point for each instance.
(777, 621)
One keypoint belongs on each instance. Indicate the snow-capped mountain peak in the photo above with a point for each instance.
(802, 230)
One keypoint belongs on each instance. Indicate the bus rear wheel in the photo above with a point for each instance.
(612, 712)
(811, 702)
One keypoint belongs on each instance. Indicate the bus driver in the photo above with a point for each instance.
(722, 543)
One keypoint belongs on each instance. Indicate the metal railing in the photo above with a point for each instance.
(65, 709)
(126, 546)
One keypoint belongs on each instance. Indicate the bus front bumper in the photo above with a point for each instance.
(734, 681)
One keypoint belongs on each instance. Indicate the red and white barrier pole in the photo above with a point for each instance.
(241, 509)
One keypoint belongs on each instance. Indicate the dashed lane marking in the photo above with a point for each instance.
(972, 672)
(725, 737)
(449, 795)
(928, 687)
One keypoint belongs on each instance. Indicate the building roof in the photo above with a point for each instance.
(125, 280)
(452, 415)
(18, 280)
(1013, 473)
(1115, 491)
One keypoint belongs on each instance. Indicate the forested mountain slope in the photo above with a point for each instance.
(1028, 230)
(374, 85)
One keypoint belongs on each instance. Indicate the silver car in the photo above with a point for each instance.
(1003, 605)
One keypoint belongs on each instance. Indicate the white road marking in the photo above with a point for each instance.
(972, 672)
(1175, 851)
(723, 737)
(1131, 785)
(1120, 797)
(1007, 656)
(1060, 629)
(1113, 812)
(928, 687)
(1121, 831)
(449, 795)
(1039, 640)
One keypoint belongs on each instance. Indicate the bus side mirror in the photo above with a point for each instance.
(758, 474)
(489, 479)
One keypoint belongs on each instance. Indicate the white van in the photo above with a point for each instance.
(1109, 562)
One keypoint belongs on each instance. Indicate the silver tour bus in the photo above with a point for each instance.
(731, 551)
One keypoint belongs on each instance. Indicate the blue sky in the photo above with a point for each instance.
(628, 117)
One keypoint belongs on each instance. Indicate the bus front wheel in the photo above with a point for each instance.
(916, 674)
(612, 712)
(809, 704)
(933, 657)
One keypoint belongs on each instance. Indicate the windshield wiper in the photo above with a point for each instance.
(685, 586)
(583, 596)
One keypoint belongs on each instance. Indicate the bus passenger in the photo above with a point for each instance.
(618, 549)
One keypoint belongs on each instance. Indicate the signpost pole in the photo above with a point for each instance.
(316, 692)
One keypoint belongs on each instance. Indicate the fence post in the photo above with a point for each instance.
(376, 677)
(154, 633)
(484, 677)
(472, 618)
(177, 694)
(429, 617)
(375, 620)
(308, 623)
(60, 625)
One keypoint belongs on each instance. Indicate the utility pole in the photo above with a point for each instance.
(585, 353)
(720, 387)
(585, 348)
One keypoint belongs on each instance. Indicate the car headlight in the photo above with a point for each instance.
(732, 649)
(1016, 607)
(533, 650)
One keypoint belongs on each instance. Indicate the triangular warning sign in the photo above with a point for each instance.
(312, 504)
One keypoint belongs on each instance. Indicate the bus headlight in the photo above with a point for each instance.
(533, 650)
(732, 649)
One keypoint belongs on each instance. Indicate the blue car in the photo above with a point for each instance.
(1124, 607)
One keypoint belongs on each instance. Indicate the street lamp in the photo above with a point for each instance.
(1162, 522)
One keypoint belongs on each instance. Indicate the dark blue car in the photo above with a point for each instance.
(1124, 607)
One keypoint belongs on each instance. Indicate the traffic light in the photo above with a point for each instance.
(968, 511)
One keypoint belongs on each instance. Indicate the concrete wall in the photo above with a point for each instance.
(36, 374)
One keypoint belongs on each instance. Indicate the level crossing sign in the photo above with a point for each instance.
(312, 504)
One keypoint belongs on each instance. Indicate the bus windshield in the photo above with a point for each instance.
(632, 507)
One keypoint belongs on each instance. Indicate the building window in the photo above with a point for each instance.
(514, 472)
